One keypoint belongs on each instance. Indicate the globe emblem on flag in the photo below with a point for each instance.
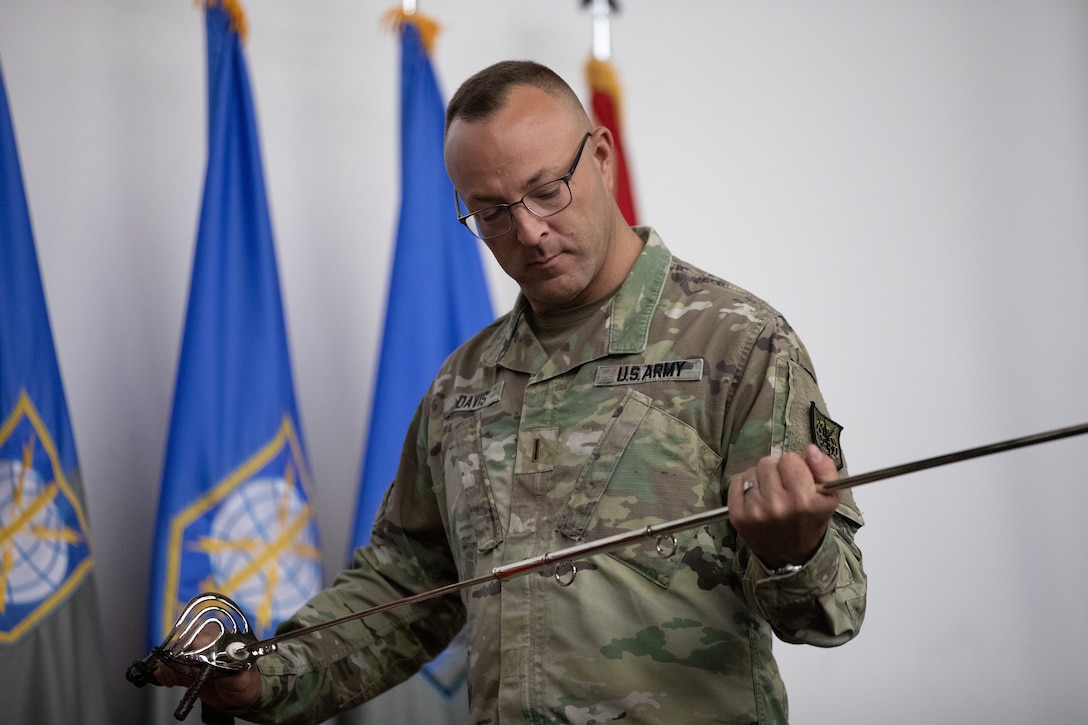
(34, 545)
(269, 551)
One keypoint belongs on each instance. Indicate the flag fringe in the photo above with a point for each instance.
(395, 18)
(234, 9)
(602, 77)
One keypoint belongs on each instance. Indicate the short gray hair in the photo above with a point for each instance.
(487, 91)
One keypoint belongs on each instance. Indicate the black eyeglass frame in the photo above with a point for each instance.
(463, 218)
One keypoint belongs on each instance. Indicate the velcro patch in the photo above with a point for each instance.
(825, 434)
(687, 370)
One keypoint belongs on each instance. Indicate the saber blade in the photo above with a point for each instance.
(964, 455)
(658, 531)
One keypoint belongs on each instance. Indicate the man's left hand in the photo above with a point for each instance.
(780, 507)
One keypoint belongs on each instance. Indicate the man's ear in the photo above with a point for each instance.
(604, 156)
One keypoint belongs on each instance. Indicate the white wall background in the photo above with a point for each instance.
(906, 180)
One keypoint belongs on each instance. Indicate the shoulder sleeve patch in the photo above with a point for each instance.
(825, 434)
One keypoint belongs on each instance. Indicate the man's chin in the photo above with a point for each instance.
(552, 298)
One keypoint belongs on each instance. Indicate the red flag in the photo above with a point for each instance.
(605, 89)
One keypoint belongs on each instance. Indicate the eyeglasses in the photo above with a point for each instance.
(544, 201)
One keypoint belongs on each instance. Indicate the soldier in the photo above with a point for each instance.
(625, 388)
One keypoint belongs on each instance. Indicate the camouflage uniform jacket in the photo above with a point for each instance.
(678, 382)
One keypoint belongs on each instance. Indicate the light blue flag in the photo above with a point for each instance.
(234, 511)
(437, 299)
(50, 641)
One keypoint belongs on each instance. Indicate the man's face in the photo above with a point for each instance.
(560, 261)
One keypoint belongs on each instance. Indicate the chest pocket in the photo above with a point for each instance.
(469, 499)
(649, 468)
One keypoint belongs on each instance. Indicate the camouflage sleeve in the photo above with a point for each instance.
(311, 678)
(781, 409)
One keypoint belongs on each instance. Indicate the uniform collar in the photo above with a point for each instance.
(626, 317)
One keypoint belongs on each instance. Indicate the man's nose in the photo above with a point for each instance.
(527, 226)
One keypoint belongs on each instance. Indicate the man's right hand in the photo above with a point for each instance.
(225, 692)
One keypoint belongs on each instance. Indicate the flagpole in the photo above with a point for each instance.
(602, 29)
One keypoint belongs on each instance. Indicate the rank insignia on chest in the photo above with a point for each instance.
(825, 434)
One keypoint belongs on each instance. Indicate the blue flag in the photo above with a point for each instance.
(437, 299)
(437, 290)
(234, 510)
(50, 642)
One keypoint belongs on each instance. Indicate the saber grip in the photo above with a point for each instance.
(191, 694)
(140, 673)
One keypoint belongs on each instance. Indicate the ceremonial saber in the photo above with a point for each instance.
(657, 531)
(231, 651)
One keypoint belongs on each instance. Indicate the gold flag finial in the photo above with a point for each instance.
(395, 18)
(235, 11)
